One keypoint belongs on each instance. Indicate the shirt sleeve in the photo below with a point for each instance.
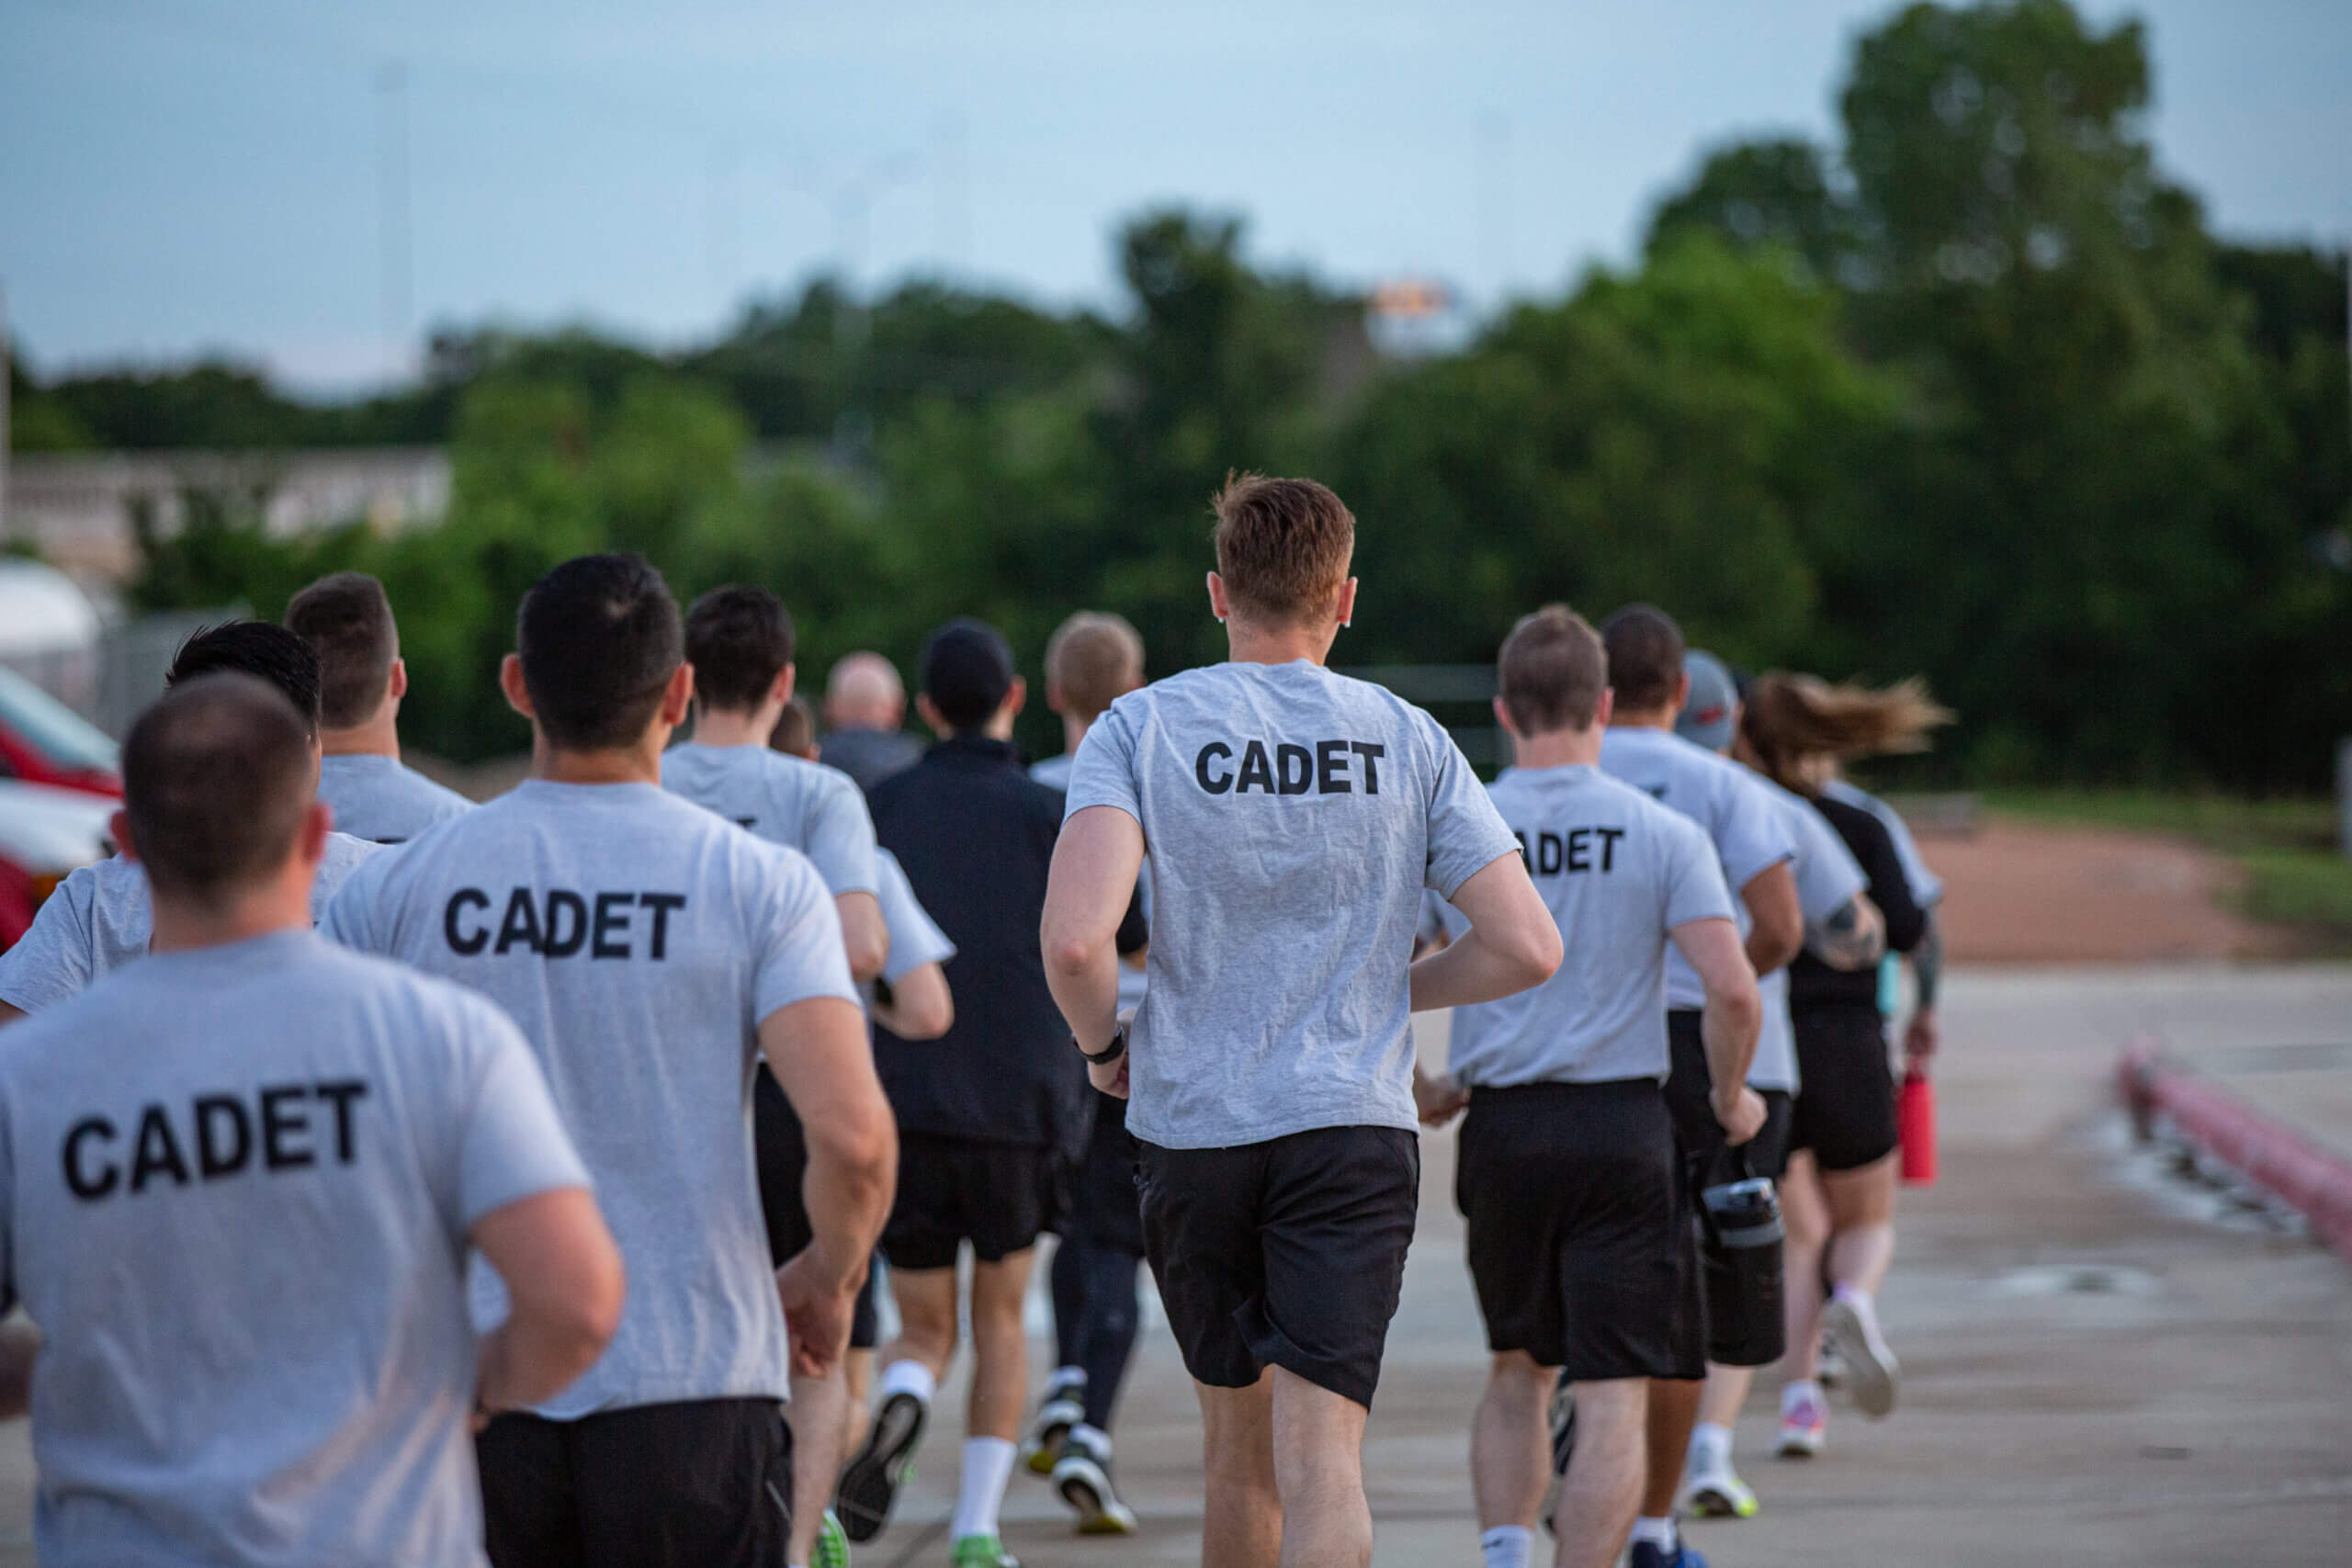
(514, 1144)
(1927, 887)
(841, 837)
(915, 938)
(796, 941)
(1694, 880)
(50, 963)
(1104, 772)
(1827, 875)
(1890, 889)
(1466, 834)
(1751, 833)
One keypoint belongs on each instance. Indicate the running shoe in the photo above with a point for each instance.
(1083, 1479)
(1564, 1425)
(1829, 1367)
(982, 1552)
(1057, 1413)
(1803, 1425)
(1644, 1555)
(832, 1549)
(1872, 1370)
(1716, 1492)
(871, 1479)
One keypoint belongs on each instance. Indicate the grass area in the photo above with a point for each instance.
(2294, 876)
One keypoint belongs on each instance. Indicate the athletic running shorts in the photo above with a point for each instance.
(1579, 1229)
(701, 1483)
(782, 1155)
(1689, 1091)
(1288, 1253)
(1106, 1211)
(1845, 1102)
(999, 1197)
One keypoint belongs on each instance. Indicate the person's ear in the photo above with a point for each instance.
(510, 681)
(1682, 692)
(678, 697)
(1347, 602)
(1016, 697)
(398, 687)
(781, 691)
(118, 829)
(1502, 717)
(310, 843)
(1220, 601)
(930, 713)
(1053, 700)
(1608, 708)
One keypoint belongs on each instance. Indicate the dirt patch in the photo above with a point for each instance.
(2017, 893)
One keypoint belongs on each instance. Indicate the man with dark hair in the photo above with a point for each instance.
(1569, 1173)
(1756, 848)
(1291, 818)
(348, 623)
(653, 954)
(988, 1113)
(740, 642)
(101, 917)
(864, 705)
(267, 1109)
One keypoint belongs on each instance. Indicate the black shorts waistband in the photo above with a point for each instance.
(1600, 1089)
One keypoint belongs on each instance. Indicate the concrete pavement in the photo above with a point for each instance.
(2102, 1366)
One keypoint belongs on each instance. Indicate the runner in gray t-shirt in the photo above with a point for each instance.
(1292, 818)
(651, 952)
(100, 918)
(1568, 1173)
(347, 621)
(240, 1220)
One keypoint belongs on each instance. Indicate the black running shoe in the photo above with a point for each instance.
(870, 1481)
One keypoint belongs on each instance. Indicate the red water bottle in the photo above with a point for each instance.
(1915, 1122)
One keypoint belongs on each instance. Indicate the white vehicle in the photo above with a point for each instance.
(45, 834)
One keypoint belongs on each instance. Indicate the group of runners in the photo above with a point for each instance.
(528, 1209)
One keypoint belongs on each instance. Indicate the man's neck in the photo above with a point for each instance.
(1249, 643)
(640, 763)
(283, 905)
(380, 737)
(1641, 718)
(734, 726)
(1560, 749)
(1074, 734)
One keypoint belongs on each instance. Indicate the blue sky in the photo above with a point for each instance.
(178, 176)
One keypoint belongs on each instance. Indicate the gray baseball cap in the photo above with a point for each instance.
(1712, 715)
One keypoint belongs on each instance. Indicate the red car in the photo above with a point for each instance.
(43, 741)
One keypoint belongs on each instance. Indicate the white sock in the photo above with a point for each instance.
(1507, 1546)
(1710, 1445)
(988, 1466)
(1658, 1533)
(1067, 1378)
(1792, 1393)
(907, 1377)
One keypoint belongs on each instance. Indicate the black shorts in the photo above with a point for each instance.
(1579, 1229)
(1289, 1252)
(1690, 1089)
(1846, 1097)
(1106, 1212)
(704, 1484)
(781, 1155)
(999, 1197)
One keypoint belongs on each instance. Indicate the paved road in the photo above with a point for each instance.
(2103, 1366)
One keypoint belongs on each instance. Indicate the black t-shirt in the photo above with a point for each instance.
(974, 834)
(1812, 983)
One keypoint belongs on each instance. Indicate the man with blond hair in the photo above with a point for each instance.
(1291, 818)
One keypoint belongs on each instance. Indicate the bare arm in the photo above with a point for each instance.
(920, 1007)
(1852, 937)
(1729, 1021)
(564, 1275)
(1776, 924)
(1513, 944)
(1924, 1033)
(819, 1052)
(20, 1343)
(866, 938)
(1092, 884)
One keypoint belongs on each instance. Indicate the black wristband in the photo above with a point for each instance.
(1109, 1054)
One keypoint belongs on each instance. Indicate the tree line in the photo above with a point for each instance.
(1974, 392)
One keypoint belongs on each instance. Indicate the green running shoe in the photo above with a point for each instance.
(832, 1549)
(982, 1552)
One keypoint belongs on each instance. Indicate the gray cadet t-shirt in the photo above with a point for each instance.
(101, 918)
(787, 800)
(384, 801)
(1291, 818)
(1619, 872)
(1726, 800)
(639, 941)
(1054, 773)
(1828, 877)
(915, 938)
(242, 1226)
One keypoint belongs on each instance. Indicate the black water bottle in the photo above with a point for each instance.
(1740, 1223)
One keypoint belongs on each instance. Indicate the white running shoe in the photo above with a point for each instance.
(1056, 1415)
(1871, 1371)
(1829, 1367)
(1713, 1490)
(1083, 1479)
(1804, 1424)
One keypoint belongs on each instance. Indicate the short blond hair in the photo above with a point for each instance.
(1092, 659)
(1283, 547)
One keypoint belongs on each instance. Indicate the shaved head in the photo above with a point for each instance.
(864, 692)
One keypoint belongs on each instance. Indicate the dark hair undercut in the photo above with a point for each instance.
(347, 621)
(1645, 649)
(260, 648)
(739, 640)
(216, 777)
(599, 638)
